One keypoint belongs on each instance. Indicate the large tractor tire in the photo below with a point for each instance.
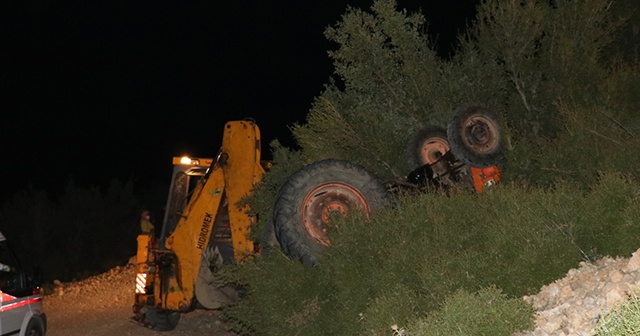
(475, 137)
(315, 193)
(161, 320)
(427, 146)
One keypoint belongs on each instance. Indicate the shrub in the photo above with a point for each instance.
(405, 261)
(569, 117)
(487, 312)
(265, 193)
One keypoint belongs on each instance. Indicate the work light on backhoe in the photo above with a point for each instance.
(191, 161)
(185, 160)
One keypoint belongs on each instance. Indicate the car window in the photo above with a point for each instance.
(11, 278)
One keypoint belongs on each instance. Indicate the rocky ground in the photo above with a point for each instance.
(102, 305)
(572, 305)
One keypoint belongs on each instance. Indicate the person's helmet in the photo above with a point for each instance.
(145, 214)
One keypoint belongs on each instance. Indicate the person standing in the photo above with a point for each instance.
(145, 222)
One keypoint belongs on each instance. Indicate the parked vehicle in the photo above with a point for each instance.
(21, 310)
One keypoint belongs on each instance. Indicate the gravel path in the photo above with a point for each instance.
(102, 305)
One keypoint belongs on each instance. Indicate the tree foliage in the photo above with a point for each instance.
(84, 232)
(546, 67)
(384, 66)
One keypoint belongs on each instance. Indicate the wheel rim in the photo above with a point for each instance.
(326, 200)
(481, 134)
(433, 149)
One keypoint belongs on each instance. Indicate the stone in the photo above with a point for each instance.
(634, 262)
(574, 304)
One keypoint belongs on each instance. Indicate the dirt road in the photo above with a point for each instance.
(102, 305)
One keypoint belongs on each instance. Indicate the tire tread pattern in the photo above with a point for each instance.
(290, 232)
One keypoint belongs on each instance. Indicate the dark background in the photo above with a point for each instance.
(99, 90)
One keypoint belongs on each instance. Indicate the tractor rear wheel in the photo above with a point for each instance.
(315, 193)
(474, 135)
(427, 146)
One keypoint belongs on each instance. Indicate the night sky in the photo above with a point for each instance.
(101, 90)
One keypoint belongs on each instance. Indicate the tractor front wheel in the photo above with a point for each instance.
(474, 135)
(427, 146)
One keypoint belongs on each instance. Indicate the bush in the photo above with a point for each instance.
(606, 217)
(487, 312)
(265, 193)
(405, 261)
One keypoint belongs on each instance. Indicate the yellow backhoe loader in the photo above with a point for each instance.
(203, 228)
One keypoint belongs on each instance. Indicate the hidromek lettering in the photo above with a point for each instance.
(204, 231)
